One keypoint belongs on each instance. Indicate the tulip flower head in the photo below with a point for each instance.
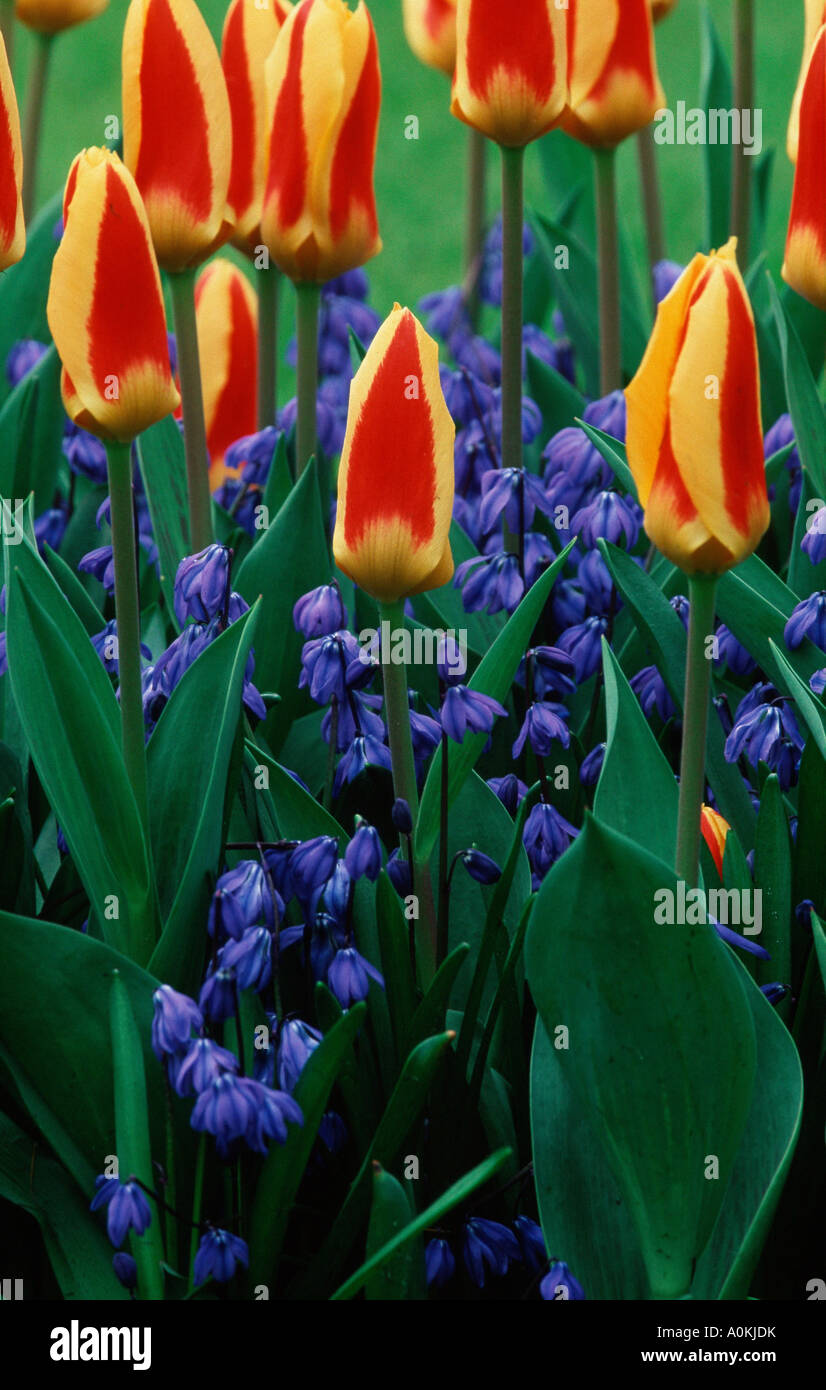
(250, 31)
(430, 30)
(395, 481)
(177, 129)
(694, 434)
(12, 227)
(511, 75)
(105, 307)
(815, 17)
(612, 70)
(226, 313)
(324, 93)
(804, 264)
(50, 16)
(714, 829)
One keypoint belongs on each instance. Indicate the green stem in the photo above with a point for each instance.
(701, 589)
(36, 91)
(397, 716)
(743, 101)
(127, 615)
(608, 258)
(307, 301)
(197, 1198)
(182, 289)
(269, 279)
(475, 218)
(651, 199)
(7, 28)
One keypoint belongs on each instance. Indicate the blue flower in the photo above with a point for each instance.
(297, 1041)
(775, 992)
(490, 582)
(364, 752)
(559, 1283)
(808, 619)
(478, 356)
(126, 1269)
(445, 312)
(218, 995)
(250, 958)
(781, 434)
(127, 1207)
(532, 1242)
(253, 454)
(514, 493)
(398, 871)
(591, 766)
(510, 791)
(348, 976)
(766, 733)
(583, 642)
(557, 353)
(652, 693)
(201, 584)
(85, 454)
(219, 1254)
(464, 709)
(665, 274)
(735, 939)
(401, 817)
(817, 682)
(99, 562)
(271, 1112)
(553, 671)
(814, 541)
(596, 583)
(610, 516)
(732, 654)
(480, 866)
(488, 1246)
(311, 865)
(23, 356)
(223, 1109)
(546, 836)
(319, 612)
(242, 898)
(363, 854)
(330, 665)
(439, 1263)
(175, 1016)
(105, 644)
(544, 725)
(204, 1062)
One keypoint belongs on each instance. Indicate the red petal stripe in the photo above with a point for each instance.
(524, 45)
(437, 13)
(174, 146)
(631, 49)
(242, 106)
(237, 406)
(288, 165)
(810, 175)
(8, 182)
(351, 180)
(742, 457)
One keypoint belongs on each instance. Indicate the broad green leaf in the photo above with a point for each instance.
(430, 1015)
(804, 577)
(493, 676)
(71, 721)
(163, 469)
(773, 878)
(650, 1010)
(31, 429)
(402, 1275)
(804, 403)
(614, 453)
(188, 760)
(24, 287)
(396, 965)
(808, 857)
(298, 815)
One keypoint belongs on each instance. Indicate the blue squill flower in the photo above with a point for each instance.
(330, 665)
(175, 1017)
(781, 434)
(478, 356)
(544, 725)
(398, 871)
(204, 1062)
(583, 642)
(100, 563)
(105, 644)
(253, 453)
(297, 1041)
(364, 752)
(652, 693)
(242, 898)
(510, 791)
(734, 938)
(23, 356)
(201, 584)
(546, 836)
(596, 583)
(445, 312)
(665, 274)
(591, 766)
(488, 1247)
(611, 516)
(218, 995)
(223, 1109)
(808, 619)
(311, 865)
(514, 494)
(732, 654)
(250, 958)
(218, 1256)
(270, 1113)
(480, 866)
(559, 1284)
(363, 854)
(491, 583)
(439, 1263)
(349, 975)
(126, 1207)
(85, 454)
(125, 1269)
(466, 710)
(319, 612)
(814, 540)
(775, 992)
(532, 1242)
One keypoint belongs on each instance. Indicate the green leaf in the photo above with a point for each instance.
(808, 857)
(804, 577)
(290, 558)
(810, 708)
(298, 815)
(134, 1147)
(24, 287)
(402, 1275)
(31, 429)
(614, 453)
(163, 469)
(88, 612)
(71, 721)
(396, 966)
(773, 878)
(455, 1195)
(651, 1009)
(285, 1164)
(188, 760)
(430, 1015)
(804, 403)
(493, 676)
(715, 94)
(635, 772)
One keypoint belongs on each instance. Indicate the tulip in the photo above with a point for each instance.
(249, 35)
(815, 17)
(714, 831)
(511, 78)
(430, 30)
(395, 482)
(226, 312)
(804, 264)
(694, 435)
(177, 132)
(50, 16)
(12, 227)
(612, 70)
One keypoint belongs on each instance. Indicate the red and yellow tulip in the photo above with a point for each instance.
(511, 77)
(12, 227)
(105, 306)
(248, 38)
(815, 17)
(324, 89)
(804, 264)
(694, 438)
(226, 311)
(430, 30)
(395, 481)
(714, 830)
(177, 133)
(50, 16)
(612, 70)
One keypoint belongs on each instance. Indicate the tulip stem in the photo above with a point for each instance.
(651, 199)
(610, 357)
(743, 101)
(269, 280)
(127, 616)
(35, 93)
(475, 223)
(397, 717)
(182, 289)
(702, 589)
(307, 302)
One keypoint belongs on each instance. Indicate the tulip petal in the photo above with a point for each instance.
(815, 17)
(511, 78)
(226, 310)
(612, 71)
(430, 30)
(52, 16)
(248, 38)
(804, 265)
(12, 227)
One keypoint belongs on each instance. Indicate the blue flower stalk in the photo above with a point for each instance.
(127, 615)
(702, 589)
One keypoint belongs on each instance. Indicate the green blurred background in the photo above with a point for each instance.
(420, 183)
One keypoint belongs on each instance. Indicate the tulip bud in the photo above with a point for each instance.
(804, 264)
(511, 77)
(324, 93)
(249, 35)
(395, 480)
(612, 71)
(105, 307)
(430, 29)
(177, 131)
(715, 829)
(694, 436)
(815, 17)
(12, 227)
(226, 313)
(50, 16)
